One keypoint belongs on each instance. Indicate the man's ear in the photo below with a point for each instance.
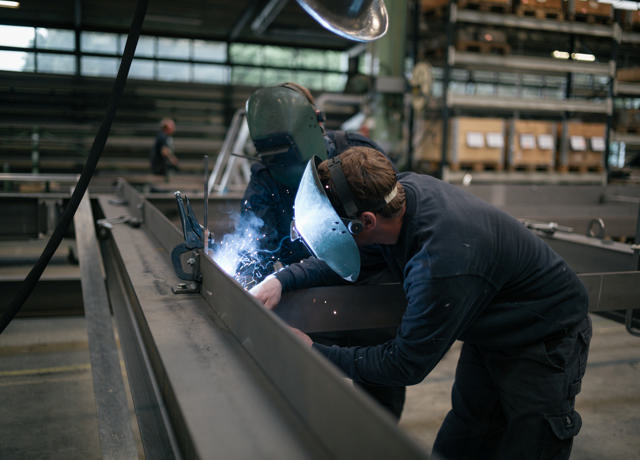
(368, 219)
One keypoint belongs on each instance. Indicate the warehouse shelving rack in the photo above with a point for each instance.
(600, 105)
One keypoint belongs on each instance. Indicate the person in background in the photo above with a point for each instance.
(162, 155)
(470, 272)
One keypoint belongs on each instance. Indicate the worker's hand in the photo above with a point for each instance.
(269, 292)
(302, 336)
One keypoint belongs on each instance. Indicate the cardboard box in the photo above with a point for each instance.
(476, 143)
(532, 144)
(584, 146)
(628, 74)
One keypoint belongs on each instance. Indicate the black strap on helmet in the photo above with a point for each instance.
(344, 195)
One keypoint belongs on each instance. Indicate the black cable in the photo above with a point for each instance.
(89, 168)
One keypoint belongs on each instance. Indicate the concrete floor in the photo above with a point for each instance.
(46, 391)
(48, 410)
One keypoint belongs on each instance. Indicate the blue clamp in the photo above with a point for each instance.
(193, 239)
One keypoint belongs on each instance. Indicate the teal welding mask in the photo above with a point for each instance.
(285, 129)
(322, 230)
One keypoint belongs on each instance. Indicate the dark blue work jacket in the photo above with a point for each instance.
(470, 272)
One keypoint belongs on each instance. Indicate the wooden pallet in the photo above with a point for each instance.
(590, 19)
(496, 6)
(530, 167)
(583, 162)
(580, 168)
(434, 13)
(628, 129)
(540, 12)
(484, 47)
(476, 166)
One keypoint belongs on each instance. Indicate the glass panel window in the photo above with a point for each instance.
(209, 51)
(312, 59)
(173, 71)
(312, 80)
(329, 60)
(278, 56)
(205, 73)
(146, 46)
(99, 66)
(335, 82)
(246, 54)
(142, 69)
(56, 63)
(249, 76)
(99, 42)
(21, 37)
(55, 39)
(277, 76)
(16, 61)
(178, 48)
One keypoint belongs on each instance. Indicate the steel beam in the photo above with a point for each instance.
(235, 381)
(223, 369)
(114, 421)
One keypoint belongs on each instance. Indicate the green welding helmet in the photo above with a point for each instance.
(286, 132)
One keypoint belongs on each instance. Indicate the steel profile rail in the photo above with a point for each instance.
(213, 373)
(223, 377)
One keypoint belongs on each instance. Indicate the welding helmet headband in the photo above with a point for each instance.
(343, 192)
(318, 224)
(286, 132)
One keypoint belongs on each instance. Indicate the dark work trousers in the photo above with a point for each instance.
(516, 403)
(390, 397)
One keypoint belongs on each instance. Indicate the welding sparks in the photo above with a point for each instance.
(239, 254)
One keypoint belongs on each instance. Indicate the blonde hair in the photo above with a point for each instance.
(372, 179)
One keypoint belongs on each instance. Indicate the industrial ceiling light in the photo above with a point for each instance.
(359, 20)
(575, 56)
(9, 4)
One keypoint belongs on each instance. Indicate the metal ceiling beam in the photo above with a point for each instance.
(267, 15)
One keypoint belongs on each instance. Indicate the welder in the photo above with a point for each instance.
(470, 272)
(287, 130)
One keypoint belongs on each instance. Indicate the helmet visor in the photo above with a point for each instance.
(320, 227)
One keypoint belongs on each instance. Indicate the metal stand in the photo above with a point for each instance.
(230, 167)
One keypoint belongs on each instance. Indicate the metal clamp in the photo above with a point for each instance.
(193, 239)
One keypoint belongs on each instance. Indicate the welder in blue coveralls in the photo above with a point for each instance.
(287, 130)
(470, 272)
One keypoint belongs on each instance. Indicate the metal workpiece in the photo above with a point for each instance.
(573, 206)
(213, 372)
(587, 254)
(343, 308)
(232, 380)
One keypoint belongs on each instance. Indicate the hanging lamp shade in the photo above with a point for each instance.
(359, 20)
